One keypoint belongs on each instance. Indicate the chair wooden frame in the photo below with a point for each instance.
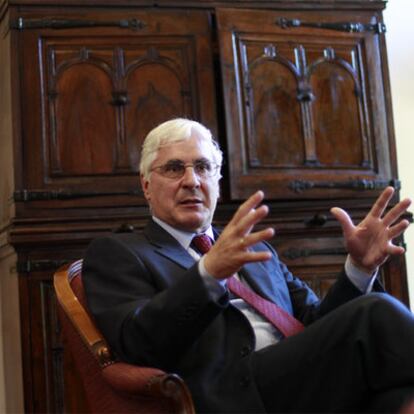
(151, 382)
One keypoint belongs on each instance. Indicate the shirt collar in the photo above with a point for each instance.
(183, 237)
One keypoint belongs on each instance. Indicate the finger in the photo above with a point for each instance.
(261, 256)
(381, 204)
(256, 237)
(344, 220)
(252, 202)
(396, 212)
(398, 229)
(394, 250)
(254, 216)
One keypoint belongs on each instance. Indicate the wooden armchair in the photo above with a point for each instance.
(111, 386)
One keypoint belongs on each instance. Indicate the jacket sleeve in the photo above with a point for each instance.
(145, 318)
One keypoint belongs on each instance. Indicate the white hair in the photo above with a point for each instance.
(174, 130)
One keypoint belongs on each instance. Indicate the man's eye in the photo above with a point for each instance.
(173, 167)
(202, 166)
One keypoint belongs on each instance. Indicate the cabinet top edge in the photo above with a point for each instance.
(200, 4)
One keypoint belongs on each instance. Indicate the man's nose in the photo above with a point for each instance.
(190, 178)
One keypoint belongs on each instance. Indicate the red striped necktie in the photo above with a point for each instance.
(282, 320)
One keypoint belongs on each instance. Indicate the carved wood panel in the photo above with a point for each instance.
(300, 110)
(100, 95)
(50, 374)
(43, 375)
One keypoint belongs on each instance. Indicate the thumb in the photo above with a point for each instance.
(344, 220)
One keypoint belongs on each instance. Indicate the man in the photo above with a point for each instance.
(159, 304)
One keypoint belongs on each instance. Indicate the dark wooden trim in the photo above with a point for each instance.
(3, 9)
(276, 4)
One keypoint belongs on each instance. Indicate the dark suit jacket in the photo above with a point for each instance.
(153, 307)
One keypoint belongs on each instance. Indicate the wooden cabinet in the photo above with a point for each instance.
(297, 93)
(306, 112)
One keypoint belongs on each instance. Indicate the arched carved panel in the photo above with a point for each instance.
(80, 144)
(275, 138)
(158, 83)
(338, 133)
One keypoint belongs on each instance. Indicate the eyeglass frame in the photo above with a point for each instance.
(215, 167)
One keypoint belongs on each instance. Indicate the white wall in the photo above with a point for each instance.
(400, 44)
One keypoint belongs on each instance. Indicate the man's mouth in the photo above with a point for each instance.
(191, 201)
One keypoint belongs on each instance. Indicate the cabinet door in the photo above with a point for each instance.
(93, 86)
(306, 109)
(319, 259)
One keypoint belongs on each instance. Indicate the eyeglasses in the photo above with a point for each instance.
(175, 169)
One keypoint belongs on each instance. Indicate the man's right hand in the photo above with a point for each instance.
(230, 251)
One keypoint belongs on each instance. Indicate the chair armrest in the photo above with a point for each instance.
(150, 382)
(80, 318)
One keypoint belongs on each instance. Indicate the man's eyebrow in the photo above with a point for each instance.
(175, 161)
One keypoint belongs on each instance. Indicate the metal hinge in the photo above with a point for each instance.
(300, 185)
(29, 266)
(23, 24)
(351, 27)
(294, 254)
(41, 195)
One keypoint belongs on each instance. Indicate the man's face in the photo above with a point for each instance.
(186, 203)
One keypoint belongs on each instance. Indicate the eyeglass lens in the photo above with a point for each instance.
(177, 168)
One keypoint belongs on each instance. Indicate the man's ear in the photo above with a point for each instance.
(145, 187)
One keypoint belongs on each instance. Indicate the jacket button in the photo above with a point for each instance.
(244, 382)
(245, 351)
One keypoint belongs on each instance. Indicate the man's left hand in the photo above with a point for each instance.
(370, 243)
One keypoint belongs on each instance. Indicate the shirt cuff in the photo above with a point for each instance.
(362, 280)
(216, 288)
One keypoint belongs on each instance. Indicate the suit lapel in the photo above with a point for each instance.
(167, 246)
